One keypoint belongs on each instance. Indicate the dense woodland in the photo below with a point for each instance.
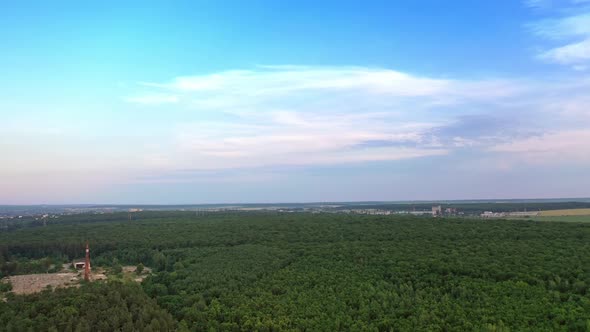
(95, 307)
(314, 272)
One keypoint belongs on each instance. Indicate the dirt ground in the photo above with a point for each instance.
(32, 283)
(129, 270)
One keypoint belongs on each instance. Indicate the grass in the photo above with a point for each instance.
(583, 219)
(568, 212)
(563, 218)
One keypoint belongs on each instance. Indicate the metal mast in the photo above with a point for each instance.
(87, 264)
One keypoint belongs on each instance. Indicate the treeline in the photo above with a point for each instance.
(38, 221)
(475, 208)
(112, 306)
(110, 236)
(20, 265)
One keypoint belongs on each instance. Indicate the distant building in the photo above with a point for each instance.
(79, 264)
(436, 211)
(450, 211)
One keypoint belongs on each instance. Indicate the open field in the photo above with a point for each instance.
(566, 212)
(563, 218)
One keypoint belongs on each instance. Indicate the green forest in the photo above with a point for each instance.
(263, 271)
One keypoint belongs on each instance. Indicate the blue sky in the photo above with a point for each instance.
(275, 101)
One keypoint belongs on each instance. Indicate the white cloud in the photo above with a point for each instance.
(553, 147)
(564, 27)
(290, 138)
(288, 79)
(280, 120)
(300, 115)
(536, 4)
(548, 4)
(572, 33)
(276, 81)
(571, 54)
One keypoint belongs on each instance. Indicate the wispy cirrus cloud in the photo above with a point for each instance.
(271, 125)
(287, 138)
(275, 81)
(551, 4)
(281, 116)
(535, 3)
(550, 147)
(576, 54)
(301, 115)
(568, 30)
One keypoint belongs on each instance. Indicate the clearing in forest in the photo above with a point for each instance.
(33, 283)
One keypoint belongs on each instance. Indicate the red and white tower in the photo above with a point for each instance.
(87, 264)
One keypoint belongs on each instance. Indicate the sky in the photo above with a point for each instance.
(178, 102)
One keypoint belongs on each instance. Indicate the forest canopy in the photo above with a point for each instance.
(299, 271)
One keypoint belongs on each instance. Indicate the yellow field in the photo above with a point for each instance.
(568, 212)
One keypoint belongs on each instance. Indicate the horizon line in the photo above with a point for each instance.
(571, 199)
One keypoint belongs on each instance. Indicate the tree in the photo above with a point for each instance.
(117, 268)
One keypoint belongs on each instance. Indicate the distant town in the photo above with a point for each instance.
(483, 209)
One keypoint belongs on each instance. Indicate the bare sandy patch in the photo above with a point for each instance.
(32, 283)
